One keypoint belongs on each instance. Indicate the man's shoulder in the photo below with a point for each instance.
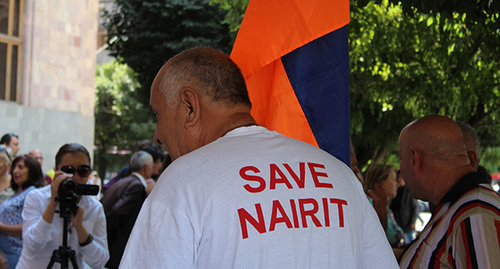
(126, 181)
(477, 201)
(40, 192)
(130, 178)
(253, 142)
(122, 184)
(481, 194)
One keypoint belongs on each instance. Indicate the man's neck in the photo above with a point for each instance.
(449, 179)
(141, 177)
(220, 125)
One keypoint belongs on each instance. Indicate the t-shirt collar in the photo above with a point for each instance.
(466, 183)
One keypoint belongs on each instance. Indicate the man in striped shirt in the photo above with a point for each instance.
(464, 231)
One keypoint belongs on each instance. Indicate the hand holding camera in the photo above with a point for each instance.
(66, 191)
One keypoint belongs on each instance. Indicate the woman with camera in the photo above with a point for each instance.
(44, 230)
(26, 174)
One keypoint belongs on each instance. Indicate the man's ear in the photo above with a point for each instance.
(416, 160)
(472, 158)
(190, 101)
(145, 170)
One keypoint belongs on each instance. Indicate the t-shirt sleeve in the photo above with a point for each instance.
(36, 231)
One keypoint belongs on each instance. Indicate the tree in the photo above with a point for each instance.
(407, 60)
(120, 119)
(416, 58)
(235, 11)
(146, 33)
(406, 65)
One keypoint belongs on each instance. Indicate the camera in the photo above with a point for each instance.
(68, 196)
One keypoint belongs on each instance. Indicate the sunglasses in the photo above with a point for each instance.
(82, 170)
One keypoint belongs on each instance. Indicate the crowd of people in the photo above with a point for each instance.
(37, 209)
(236, 195)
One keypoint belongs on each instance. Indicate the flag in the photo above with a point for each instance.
(295, 59)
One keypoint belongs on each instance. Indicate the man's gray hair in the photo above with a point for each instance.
(139, 160)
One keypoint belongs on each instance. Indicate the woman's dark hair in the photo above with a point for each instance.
(35, 175)
(70, 148)
(155, 153)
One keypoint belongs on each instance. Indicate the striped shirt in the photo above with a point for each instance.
(464, 231)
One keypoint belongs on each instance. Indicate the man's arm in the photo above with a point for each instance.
(36, 230)
(130, 198)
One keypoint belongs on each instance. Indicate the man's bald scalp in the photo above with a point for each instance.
(438, 138)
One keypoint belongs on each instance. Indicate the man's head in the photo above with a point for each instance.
(471, 142)
(37, 155)
(433, 157)
(11, 140)
(158, 157)
(141, 162)
(198, 96)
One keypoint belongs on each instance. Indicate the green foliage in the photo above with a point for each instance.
(146, 33)
(235, 13)
(475, 11)
(417, 58)
(407, 60)
(120, 119)
(490, 159)
(406, 65)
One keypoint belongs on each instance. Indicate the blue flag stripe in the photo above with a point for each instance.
(319, 75)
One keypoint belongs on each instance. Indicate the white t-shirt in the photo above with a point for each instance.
(257, 199)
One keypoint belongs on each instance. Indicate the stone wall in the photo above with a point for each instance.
(57, 77)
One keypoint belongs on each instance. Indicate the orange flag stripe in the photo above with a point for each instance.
(278, 109)
(283, 26)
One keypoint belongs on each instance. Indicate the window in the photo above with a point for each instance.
(10, 48)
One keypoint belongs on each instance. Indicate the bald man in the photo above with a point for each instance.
(464, 230)
(238, 195)
(37, 155)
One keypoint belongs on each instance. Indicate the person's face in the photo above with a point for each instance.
(404, 157)
(38, 156)
(14, 145)
(169, 123)
(390, 185)
(406, 167)
(20, 173)
(75, 160)
(156, 167)
(400, 179)
(149, 170)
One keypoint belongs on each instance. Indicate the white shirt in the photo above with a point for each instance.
(257, 199)
(141, 179)
(40, 238)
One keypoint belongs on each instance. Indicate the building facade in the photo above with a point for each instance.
(47, 72)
